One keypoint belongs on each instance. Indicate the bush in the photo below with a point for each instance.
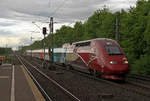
(141, 66)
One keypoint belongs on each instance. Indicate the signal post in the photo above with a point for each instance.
(51, 47)
(44, 33)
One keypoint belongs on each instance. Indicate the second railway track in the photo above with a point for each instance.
(50, 87)
(111, 89)
(129, 85)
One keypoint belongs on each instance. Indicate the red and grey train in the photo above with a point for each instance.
(97, 56)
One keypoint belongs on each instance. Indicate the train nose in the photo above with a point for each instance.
(119, 69)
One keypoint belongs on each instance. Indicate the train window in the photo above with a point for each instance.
(83, 44)
(113, 50)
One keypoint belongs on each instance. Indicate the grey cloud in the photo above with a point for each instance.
(69, 9)
(6, 24)
(5, 33)
(62, 10)
(25, 41)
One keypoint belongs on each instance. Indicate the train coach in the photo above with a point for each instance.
(100, 57)
(59, 54)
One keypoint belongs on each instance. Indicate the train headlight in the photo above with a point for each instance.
(113, 62)
(126, 62)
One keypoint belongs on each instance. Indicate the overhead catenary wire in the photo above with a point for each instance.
(61, 5)
(55, 11)
(52, 14)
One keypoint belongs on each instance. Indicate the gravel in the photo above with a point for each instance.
(87, 89)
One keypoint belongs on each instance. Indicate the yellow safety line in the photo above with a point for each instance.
(37, 94)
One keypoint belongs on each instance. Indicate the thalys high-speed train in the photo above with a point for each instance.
(97, 56)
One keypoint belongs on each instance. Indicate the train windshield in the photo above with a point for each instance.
(113, 50)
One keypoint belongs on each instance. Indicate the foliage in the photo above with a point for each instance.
(4, 51)
(134, 33)
(141, 66)
(7, 52)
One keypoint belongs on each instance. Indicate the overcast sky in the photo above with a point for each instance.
(16, 17)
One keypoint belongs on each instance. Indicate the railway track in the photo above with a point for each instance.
(145, 82)
(34, 79)
(126, 86)
(140, 81)
(139, 84)
(63, 94)
(101, 96)
(139, 77)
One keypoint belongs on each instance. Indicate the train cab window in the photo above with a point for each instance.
(83, 44)
(113, 50)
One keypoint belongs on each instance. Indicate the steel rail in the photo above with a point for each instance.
(113, 83)
(140, 77)
(54, 82)
(110, 82)
(138, 84)
(47, 97)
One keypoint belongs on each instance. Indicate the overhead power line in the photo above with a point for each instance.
(61, 5)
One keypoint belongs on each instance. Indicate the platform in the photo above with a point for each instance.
(16, 85)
